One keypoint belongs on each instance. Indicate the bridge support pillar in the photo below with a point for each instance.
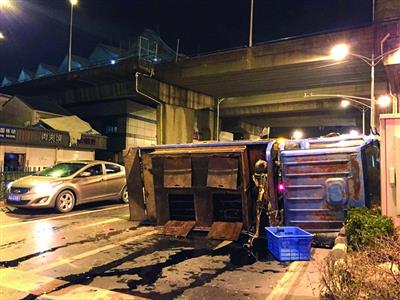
(178, 124)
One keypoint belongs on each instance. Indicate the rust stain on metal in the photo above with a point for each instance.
(178, 172)
(200, 150)
(225, 231)
(355, 165)
(137, 209)
(178, 228)
(222, 173)
(148, 181)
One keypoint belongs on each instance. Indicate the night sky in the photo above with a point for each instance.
(38, 30)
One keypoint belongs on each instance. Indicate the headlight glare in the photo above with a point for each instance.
(9, 185)
(44, 187)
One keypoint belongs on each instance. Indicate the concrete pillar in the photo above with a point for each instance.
(205, 120)
(178, 124)
(386, 10)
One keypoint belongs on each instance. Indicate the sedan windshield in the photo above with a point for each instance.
(61, 170)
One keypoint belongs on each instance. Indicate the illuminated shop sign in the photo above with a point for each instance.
(8, 133)
(52, 137)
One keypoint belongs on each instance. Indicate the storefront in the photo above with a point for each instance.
(34, 149)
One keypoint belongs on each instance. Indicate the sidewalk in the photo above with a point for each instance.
(302, 279)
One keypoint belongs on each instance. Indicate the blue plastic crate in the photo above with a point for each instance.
(289, 243)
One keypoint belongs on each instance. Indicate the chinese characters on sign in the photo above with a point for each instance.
(51, 137)
(8, 133)
(87, 141)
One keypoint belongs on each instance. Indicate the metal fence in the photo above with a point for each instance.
(8, 176)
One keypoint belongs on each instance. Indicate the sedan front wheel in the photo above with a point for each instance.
(65, 201)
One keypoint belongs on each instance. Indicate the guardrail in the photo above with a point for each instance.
(9, 176)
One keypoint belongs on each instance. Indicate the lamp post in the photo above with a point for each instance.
(364, 107)
(219, 101)
(383, 101)
(72, 3)
(340, 51)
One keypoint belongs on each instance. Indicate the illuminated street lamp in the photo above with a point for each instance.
(5, 4)
(72, 3)
(2, 36)
(345, 103)
(340, 51)
(298, 134)
(383, 101)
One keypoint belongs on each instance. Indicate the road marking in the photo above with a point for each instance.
(72, 259)
(39, 285)
(105, 222)
(84, 292)
(63, 216)
(25, 281)
(284, 284)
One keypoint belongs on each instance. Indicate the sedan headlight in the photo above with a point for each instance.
(44, 187)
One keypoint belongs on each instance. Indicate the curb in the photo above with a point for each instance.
(337, 255)
(339, 250)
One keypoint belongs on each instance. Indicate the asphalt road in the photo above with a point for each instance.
(95, 252)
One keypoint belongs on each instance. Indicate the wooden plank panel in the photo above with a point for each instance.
(177, 172)
(149, 186)
(178, 228)
(137, 210)
(225, 231)
(204, 208)
(222, 173)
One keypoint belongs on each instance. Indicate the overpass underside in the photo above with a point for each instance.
(264, 86)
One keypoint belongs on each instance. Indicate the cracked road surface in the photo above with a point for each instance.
(95, 252)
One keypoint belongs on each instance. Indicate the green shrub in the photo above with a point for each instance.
(364, 226)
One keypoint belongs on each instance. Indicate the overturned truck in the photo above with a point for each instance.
(210, 186)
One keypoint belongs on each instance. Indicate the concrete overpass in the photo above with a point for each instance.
(265, 85)
(262, 86)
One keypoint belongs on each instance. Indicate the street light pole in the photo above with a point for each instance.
(251, 23)
(359, 101)
(363, 120)
(72, 3)
(219, 101)
(372, 121)
(340, 51)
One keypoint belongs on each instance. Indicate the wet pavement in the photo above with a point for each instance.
(95, 252)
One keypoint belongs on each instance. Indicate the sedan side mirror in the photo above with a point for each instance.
(84, 174)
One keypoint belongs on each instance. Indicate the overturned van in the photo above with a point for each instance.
(209, 185)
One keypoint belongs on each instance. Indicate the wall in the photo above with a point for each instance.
(39, 157)
(141, 125)
(136, 124)
(390, 166)
(66, 155)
